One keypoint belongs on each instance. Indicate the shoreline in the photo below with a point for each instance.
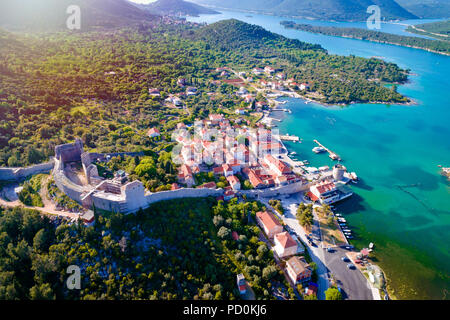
(387, 286)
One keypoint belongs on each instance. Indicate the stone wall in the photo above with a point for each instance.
(17, 174)
(273, 192)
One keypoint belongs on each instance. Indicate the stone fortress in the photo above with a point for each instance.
(118, 194)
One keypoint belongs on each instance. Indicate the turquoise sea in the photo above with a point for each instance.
(402, 203)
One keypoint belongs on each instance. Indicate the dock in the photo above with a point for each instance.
(332, 155)
(290, 138)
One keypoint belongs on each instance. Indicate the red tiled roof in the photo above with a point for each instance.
(285, 239)
(254, 179)
(232, 180)
(152, 131)
(218, 170)
(209, 185)
(268, 219)
(325, 187)
(284, 168)
(312, 196)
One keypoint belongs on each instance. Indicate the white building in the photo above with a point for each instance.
(285, 245)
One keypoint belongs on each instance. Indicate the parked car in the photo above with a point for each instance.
(345, 259)
(329, 249)
(351, 266)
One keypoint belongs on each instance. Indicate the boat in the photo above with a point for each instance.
(347, 230)
(353, 176)
(318, 149)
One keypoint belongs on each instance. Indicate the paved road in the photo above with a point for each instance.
(352, 282)
(316, 253)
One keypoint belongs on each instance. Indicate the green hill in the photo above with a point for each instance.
(430, 9)
(339, 10)
(51, 14)
(176, 7)
(240, 35)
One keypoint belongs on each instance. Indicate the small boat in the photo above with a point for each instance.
(318, 149)
(342, 220)
(353, 176)
(347, 230)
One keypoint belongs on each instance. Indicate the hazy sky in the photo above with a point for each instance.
(142, 1)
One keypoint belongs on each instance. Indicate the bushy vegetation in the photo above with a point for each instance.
(30, 193)
(276, 204)
(305, 215)
(180, 249)
(383, 37)
(94, 85)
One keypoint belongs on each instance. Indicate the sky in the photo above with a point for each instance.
(142, 1)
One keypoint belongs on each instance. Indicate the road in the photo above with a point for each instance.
(315, 253)
(353, 283)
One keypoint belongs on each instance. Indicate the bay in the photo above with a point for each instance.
(402, 203)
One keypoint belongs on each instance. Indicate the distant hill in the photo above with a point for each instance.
(176, 7)
(235, 34)
(431, 9)
(51, 14)
(339, 10)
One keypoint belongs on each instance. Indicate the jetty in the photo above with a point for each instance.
(289, 138)
(332, 155)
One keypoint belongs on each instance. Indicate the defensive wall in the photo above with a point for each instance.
(17, 174)
(276, 191)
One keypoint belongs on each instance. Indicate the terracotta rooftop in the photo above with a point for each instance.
(268, 219)
(297, 265)
(325, 187)
(285, 239)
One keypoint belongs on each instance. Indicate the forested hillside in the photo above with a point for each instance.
(339, 10)
(95, 85)
(176, 7)
(173, 250)
(377, 36)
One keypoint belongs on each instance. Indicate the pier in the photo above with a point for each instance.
(290, 138)
(332, 155)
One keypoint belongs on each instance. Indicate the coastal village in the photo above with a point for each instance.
(250, 162)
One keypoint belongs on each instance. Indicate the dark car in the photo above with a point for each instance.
(345, 259)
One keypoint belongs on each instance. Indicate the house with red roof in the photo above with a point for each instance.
(269, 223)
(285, 245)
(326, 192)
(186, 176)
(278, 167)
(298, 270)
(255, 180)
(227, 170)
(234, 182)
(153, 133)
(208, 185)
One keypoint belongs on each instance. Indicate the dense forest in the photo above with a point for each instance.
(55, 87)
(437, 46)
(148, 255)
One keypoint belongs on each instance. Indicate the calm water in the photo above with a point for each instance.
(402, 203)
